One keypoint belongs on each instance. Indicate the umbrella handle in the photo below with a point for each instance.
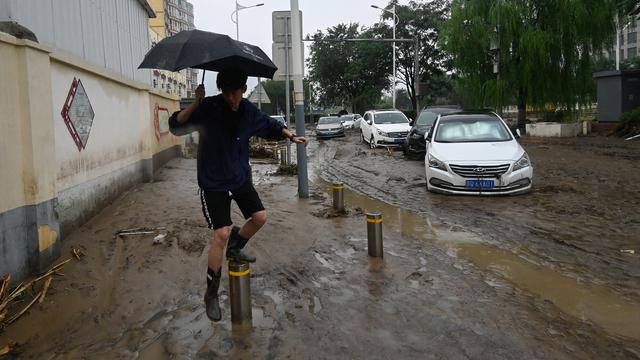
(203, 71)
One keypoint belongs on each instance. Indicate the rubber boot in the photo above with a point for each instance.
(235, 246)
(211, 298)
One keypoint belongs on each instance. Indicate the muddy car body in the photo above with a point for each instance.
(328, 127)
(475, 154)
(348, 121)
(384, 127)
(415, 145)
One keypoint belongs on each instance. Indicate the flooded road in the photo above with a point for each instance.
(558, 253)
(584, 301)
(451, 285)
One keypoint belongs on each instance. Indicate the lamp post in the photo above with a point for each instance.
(395, 22)
(238, 8)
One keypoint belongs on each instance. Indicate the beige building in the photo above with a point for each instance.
(174, 83)
(80, 123)
(173, 16)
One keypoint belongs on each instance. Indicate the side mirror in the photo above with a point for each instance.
(369, 122)
(516, 133)
(411, 122)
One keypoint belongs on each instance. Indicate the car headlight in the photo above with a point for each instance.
(382, 133)
(522, 163)
(435, 163)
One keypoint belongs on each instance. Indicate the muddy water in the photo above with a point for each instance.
(585, 302)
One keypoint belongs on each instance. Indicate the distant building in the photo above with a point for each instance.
(629, 40)
(174, 16)
(167, 81)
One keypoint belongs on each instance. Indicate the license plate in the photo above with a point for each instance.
(399, 141)
(480, 184)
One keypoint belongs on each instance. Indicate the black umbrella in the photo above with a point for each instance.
(207, 51)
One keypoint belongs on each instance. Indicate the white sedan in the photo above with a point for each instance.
(384, 127)
(348, 120)
(475, 153)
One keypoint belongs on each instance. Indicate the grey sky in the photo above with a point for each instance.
(255, 23)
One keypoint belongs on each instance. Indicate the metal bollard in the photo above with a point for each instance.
(374, 234)
(283, 156)
(240, 294)
(338, 196)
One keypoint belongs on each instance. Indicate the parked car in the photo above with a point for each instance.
(329, 126)
(415, 145)
(475, 153)
(348, 120)
(384, 127)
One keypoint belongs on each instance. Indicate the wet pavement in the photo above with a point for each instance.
(461, 277)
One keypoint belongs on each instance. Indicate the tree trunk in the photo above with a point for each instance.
(522, 110)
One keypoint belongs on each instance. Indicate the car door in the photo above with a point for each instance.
(366, 128)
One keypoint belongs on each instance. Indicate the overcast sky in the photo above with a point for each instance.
(255, 23)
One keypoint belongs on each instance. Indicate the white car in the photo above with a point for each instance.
(475, 153)
(384, 127)
(348, 120)
(356, 121)
(329, 126)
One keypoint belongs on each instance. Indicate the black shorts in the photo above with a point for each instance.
(216, 205)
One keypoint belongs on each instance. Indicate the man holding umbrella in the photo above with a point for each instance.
(226, 123)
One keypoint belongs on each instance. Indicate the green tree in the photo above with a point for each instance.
(276, 89)
(346, 72)
(543, 48)
(422, 20)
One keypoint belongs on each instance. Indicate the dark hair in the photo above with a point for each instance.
(231, 79)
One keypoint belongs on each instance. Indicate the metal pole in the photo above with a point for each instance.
(338, 196)
(298, 72)
(617, 50)
(240, 294)
(416, 81)
(237, 24)
(287, 86)
(284, 159)
(374, 234)
(393, 88)
(310, 112)
(259, 94)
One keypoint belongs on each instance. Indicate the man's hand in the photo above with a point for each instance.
(299, 139)
(200, 93)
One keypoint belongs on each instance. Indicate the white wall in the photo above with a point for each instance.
(108, 33)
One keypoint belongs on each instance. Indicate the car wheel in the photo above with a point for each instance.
(372, 142)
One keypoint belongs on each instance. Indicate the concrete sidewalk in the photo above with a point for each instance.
(316, 293)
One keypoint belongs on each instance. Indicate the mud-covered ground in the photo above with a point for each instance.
(480, 278)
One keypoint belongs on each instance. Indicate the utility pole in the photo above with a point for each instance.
(298, 72)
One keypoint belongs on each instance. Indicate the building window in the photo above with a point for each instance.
(632, 52)
(632, 38)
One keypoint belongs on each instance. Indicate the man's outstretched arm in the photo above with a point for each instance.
(293, 137)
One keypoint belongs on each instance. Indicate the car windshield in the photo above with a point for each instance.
(391, 118)
(426, 118)
(471, 130)
(346, 117)
(329, 120)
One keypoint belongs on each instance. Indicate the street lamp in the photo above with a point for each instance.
(396, 20)
(238, 8)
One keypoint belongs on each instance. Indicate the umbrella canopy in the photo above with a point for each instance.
(208, 51)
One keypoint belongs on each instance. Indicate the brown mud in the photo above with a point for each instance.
(461, 277)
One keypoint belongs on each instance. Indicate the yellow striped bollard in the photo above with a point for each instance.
(374, 234)
(338, 196)
(240, 294)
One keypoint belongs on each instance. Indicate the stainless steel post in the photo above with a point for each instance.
(240, 294)
(374, 234)
(284, 157)
(338, 196)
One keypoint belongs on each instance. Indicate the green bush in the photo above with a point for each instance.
(629, 123)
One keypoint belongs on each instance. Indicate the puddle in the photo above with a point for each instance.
(583, 301)
(586, 302)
